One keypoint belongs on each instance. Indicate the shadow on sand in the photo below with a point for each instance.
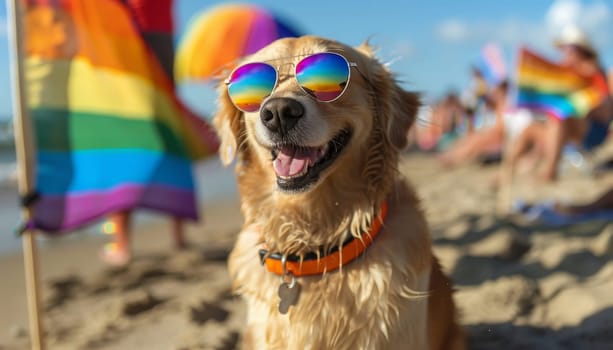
(593, 333)
(476, 269)
(520, 257)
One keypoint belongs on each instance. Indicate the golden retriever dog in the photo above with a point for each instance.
(335, 252)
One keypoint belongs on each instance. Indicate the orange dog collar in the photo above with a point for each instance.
(314, 264)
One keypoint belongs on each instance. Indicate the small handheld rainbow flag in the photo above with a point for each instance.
(491, 65)
(557, 91)
(111, 134)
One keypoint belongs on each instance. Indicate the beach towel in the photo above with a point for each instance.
(557, 91)
(111, 133)
(544, 213)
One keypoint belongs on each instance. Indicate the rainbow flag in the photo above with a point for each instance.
(491, 65)
(111, 134)
(557, 91)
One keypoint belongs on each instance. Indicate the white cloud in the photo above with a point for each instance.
(562, 13)
(595, 18)
(453, 30)
(404, 48)
(509, 31)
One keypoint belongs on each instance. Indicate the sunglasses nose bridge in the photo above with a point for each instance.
(286, 83)
(285, 71)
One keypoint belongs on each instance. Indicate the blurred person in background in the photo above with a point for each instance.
(441, 124)
(486, 141)
(449, 115)
(548, 137)
(155, 22)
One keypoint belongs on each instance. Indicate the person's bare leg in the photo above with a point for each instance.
(557, 134)
(178, 233)
(521, 154)
(511, 155)
(118, 252)
(554, 140)
(524, 143)
(472, 146)
(456, 153)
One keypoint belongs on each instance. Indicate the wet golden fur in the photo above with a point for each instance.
(394, 296)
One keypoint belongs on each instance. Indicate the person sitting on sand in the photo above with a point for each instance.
(441, 123)
(449, 115)
(482, 142)
(550, 136)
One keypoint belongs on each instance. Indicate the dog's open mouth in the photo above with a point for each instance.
(297, 167)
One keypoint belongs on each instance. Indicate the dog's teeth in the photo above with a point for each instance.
(304, 171)
(301, 173)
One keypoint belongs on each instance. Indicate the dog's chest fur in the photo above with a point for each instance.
(372, 303)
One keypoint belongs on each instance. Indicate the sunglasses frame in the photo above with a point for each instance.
(276, 69)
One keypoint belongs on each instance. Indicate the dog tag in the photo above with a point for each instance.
(288, 293)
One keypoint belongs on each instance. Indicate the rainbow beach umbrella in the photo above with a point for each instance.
(219, 36)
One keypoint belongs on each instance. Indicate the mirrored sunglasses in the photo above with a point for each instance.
(324, 76)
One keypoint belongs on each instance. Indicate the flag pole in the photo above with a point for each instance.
(24, 146)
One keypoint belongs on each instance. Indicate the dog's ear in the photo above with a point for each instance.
(397, 108)
(401, 115)
(229, 126)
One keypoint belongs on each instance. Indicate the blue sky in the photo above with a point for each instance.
(430, 44)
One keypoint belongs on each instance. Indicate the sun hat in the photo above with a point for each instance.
(573, 36)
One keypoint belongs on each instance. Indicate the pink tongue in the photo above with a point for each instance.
(291, 161)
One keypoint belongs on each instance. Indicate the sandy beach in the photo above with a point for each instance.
(518, 286)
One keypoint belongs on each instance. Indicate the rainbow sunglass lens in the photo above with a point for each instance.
(323, 75)
(249, 85)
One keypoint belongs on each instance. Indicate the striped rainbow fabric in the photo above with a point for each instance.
(554, 90)
(111, 134)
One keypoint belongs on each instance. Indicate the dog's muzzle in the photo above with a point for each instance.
(281, 114)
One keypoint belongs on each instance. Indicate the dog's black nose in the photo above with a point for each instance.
(280, 114)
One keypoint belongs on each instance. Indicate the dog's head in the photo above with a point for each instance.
(297, 146)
